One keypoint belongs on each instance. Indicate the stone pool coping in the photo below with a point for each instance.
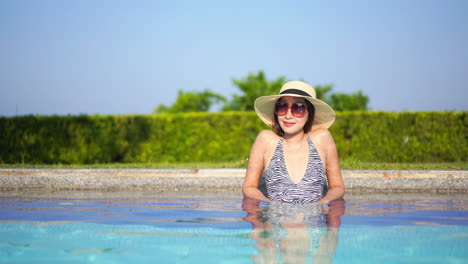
(218, 179)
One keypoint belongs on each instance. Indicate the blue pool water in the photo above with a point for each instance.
(72, 227)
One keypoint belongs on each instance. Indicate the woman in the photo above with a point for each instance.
(301, 157)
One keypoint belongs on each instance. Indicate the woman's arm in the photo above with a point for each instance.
(255, 167)
(336, 187)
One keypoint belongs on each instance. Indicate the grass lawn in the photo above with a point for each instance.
(345, 165)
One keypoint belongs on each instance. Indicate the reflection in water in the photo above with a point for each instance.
(289, 233)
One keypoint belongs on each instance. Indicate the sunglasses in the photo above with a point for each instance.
(297, 109)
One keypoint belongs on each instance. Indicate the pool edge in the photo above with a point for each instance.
(218, 179)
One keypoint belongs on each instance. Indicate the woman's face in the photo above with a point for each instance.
(290, 123)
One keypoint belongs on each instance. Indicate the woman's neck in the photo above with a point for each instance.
(293, 139)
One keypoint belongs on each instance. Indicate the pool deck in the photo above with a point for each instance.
(162, 180)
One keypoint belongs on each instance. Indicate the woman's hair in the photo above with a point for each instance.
(308, 124)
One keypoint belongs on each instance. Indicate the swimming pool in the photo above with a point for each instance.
(182, 227)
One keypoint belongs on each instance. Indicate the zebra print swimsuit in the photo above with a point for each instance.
(280, 187)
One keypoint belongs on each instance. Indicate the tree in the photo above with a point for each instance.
(256, 85)
(349, 102)
(192, 102)
(342, 101)
(322, 92)
(252, 87)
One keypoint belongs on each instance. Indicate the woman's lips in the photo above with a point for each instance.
(288, 124)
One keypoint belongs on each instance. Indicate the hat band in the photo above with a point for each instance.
(295, 91)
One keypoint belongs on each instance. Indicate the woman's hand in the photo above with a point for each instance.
(324, 201)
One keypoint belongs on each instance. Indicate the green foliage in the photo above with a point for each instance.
(349, 102)
(197, 137)
(256, 85)
(322, 92)
(402, 137)
(71, 139)
(252, 87)
(342, 101)
(362, 136)
(192, 102)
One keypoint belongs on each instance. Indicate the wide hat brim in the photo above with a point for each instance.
(324, 114)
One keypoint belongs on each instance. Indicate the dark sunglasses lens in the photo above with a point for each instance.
(281, 108)
(298, 110)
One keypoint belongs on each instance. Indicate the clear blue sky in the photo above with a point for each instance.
(127, 57)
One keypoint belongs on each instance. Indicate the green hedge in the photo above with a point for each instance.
(213, 137)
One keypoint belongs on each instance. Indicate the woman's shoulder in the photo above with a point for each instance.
(320, 132)
(267, 135)
(320, 135)
(267, 138)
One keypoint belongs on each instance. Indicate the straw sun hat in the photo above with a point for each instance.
(324, 114)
